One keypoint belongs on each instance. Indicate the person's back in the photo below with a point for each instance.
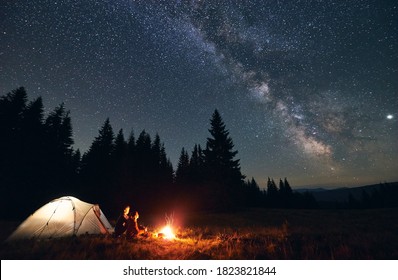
(122, 222)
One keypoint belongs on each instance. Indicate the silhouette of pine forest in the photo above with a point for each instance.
(38, 163)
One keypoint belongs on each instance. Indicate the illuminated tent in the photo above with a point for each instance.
(65, 216)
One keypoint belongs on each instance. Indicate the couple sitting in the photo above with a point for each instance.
(128, 224)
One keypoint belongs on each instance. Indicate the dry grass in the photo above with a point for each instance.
(252, 234)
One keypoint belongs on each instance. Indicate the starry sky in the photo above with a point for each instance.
(307, 89)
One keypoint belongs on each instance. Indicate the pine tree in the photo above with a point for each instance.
(155, 157)
(59, 141)
(219, 154)
(288, 189)
(196, 165)
(120, 153)
(97, 165)
(120, 143)
(144, 158)
(162, 170)
(182, 172)
(12, 107)
(33, 146)
(14, 184)
(253, 194)
(131, 160)
(272, 193)
(33, 115)
(131, 143)
(166, 167)
(37, 152)
(102, 147)
(222, 169)
(119, 171)
(76, 161)
(285, 194)
(281, 187)
(59, 130)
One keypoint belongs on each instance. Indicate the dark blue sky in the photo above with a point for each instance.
(307, 89)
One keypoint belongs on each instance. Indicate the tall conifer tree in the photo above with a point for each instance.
(97, 162)
(222, 169)
(219, 154)
(182, 172)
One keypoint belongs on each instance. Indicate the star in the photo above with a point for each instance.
(298, 84)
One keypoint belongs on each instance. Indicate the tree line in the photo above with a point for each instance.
(38, 163)
(384, 196)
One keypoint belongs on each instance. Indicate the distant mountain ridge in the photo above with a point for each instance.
(341, 194)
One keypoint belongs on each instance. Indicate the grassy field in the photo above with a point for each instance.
(250, 234)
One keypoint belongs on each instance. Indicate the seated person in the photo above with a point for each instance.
(122, 221)
(133, 229)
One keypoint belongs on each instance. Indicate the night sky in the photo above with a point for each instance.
(307, 89)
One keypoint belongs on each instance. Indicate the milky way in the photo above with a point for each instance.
(307, 89)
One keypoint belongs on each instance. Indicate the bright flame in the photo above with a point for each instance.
(167, 231)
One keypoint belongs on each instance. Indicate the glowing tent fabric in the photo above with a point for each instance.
(65, 216)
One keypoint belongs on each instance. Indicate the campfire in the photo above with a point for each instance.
(167, 231)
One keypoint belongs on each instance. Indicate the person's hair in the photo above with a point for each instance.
(133, 213)
(125, 206)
